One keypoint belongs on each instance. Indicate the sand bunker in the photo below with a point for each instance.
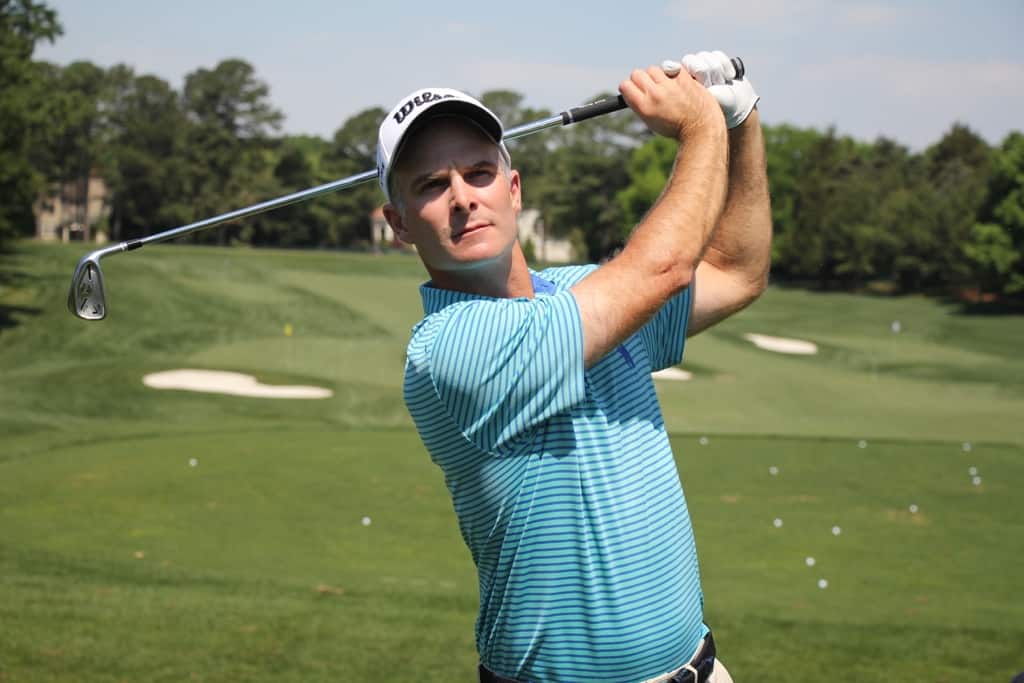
(672, 374)
(234, 383)
(782, 344)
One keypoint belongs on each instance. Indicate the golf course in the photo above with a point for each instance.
(854, 508)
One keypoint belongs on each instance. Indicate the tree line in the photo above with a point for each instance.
(847, 213)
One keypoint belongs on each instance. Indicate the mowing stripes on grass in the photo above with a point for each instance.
(156, 536)
(237, 551)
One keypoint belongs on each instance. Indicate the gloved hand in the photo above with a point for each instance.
(715, 71)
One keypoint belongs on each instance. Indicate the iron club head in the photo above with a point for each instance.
(86, 298)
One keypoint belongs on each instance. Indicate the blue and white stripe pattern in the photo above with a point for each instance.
(563, 481)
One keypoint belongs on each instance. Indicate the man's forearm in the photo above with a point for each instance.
(741, 243)
(678, 227)
(662, 254)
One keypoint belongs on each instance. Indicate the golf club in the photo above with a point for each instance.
(87, 298)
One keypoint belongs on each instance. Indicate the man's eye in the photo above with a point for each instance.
(432, 185)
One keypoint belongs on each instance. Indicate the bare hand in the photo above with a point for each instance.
(673, 107)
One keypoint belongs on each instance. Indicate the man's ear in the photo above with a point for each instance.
(515, 183)
(394, 219)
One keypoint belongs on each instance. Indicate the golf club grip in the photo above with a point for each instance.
(589, 111)
(737, 64)
(607, 106)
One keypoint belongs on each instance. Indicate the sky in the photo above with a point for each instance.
(904, 70)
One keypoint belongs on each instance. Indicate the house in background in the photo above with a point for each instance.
(381, 234)
(546, 249)
(74, 211)
(532, 231)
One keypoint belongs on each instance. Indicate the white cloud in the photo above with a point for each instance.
(912, 100)
(766, 13)
(461, 28)
(743, 11)
(873, 14)
(961, 79)
(552, 85)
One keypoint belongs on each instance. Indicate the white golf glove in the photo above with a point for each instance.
(714, 70)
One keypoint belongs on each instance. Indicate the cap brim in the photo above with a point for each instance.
(487, 122)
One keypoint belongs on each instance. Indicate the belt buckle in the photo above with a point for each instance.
(691, 671)
(684, 674)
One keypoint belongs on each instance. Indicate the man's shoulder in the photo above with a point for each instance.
(567, 276)
(466, 316)
(433, 320)
(468, 323)
(478, 309)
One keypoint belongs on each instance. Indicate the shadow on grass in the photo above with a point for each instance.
(9, 315)
(988, 308)
(965, 302)
(14, 279)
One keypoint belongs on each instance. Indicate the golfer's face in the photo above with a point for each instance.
(459, 209)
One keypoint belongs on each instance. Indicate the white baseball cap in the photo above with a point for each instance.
(411, 109)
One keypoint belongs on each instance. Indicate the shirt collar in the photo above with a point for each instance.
(435, 300)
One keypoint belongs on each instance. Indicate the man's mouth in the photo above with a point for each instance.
(472, 227)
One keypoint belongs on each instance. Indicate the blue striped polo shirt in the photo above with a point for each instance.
(563, 481)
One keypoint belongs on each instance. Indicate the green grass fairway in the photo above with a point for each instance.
(175, 536)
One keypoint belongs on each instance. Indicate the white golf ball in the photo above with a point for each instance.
(836, 531)
(366, 521)
(966, 446)
(810, 561)
(773, 470)
(976, 481)
(777, 523)
(973, 471)
(822, 583)
(192, 462)
(896, 326)
(913, 509)
(703, 441)
(862, 444)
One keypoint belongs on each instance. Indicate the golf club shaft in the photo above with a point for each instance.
(568, 117)
(86, 297)
(565, 118)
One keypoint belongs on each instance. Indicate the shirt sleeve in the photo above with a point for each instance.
(664, 335)
(502, 367)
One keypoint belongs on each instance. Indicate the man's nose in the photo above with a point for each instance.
(461, 193)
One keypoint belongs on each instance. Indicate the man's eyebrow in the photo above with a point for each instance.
(430, 175)
(424, 177)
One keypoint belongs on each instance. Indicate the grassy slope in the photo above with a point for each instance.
(94, 469)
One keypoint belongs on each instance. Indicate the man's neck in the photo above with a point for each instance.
(504, 279)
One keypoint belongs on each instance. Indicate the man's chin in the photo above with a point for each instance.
(470, 264)
(476, 257)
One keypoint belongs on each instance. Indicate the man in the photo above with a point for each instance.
(532, 391)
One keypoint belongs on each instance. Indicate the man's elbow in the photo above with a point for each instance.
(757, 281)
(672, 270)
(681, 274)
(748, 290)
(751, 281)
(757, 288)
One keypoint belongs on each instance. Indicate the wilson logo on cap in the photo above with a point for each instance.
(418, 104)
(418, 101)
